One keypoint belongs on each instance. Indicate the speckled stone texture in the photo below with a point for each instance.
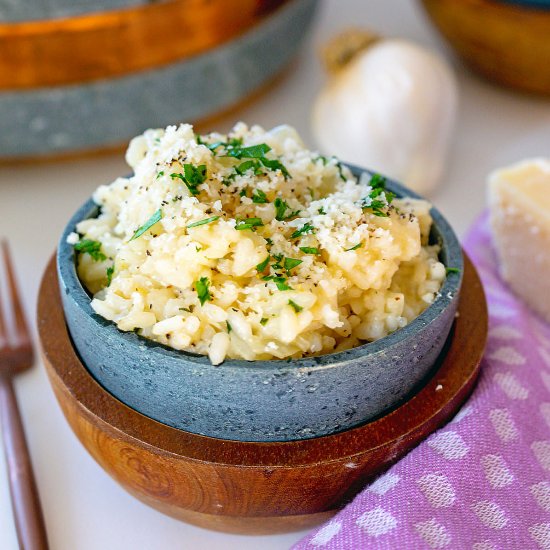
(110, 112)
(34, 10)
(263, 400)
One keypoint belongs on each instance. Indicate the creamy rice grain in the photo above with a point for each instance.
(248, 245)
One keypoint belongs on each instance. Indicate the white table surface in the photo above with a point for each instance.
(84, 508)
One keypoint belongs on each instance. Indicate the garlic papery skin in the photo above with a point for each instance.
(392, 109)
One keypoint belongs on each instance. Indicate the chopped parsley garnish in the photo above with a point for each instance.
(248, 223)
(279, 258)
(341, 172)
(322, 158)
(275, 165)
(248, 165)
(358, 245)
(202, 288)
(309, 250)
(378, 206)
(161, 173)
(281, 207)
(321, 211)
(243, 192)
(155, 218)
(263, 321)
(291, 263)
(192, 176)
(110, 271)
(377, 182)
(259, 197)
(256, 152)
(93, 248)
(450, 270)
(233, 142)
(203, 222)
(295, 306)
(268, 241)
(262, 265)
(229, 327)
(279, 281)
(252, 152)
(306, 228)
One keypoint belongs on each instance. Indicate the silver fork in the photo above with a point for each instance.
(16, 356)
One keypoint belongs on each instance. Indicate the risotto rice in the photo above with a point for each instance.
(248, 245)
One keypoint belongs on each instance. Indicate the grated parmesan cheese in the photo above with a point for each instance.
(519, 199)
(250, 246)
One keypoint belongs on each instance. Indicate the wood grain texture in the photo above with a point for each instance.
(17, 356)
(243, 486)
(103, 45)
(506, 43)
(27, 510)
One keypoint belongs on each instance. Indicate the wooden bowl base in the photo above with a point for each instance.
(251, 487)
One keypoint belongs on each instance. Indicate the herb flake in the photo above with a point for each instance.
(291, 263)
(280, 282)
(155, 218)
(259, 197)
(295, 306)
(110, 271)
(252, 152)
(248, 223)
(93, 248)
(192, 176)
(203, 222)
(306, 228)
(281, 207)
(202, 287)
(309, 250)
(378, 189)
(262, 265)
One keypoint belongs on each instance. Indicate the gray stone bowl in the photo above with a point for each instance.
(49, 120)
(261, 400)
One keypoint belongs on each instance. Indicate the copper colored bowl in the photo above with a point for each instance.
(506, 42)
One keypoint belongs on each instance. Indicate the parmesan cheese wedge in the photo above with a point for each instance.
(519, 200)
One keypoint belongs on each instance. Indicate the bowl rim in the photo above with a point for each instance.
(449, 291)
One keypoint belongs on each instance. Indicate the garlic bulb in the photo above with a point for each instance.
(390, 106)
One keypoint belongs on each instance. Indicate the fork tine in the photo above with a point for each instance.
(21, 327)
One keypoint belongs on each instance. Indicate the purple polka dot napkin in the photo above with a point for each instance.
(482, 482)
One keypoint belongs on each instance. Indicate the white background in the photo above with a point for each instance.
(84, 508)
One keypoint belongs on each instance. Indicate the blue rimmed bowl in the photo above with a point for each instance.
(262, 400)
